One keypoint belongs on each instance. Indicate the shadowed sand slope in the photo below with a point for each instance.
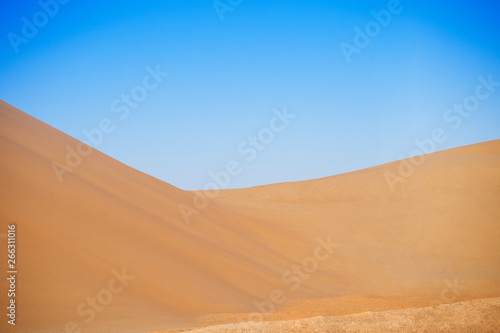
(107, 248)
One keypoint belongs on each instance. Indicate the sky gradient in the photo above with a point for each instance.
(228, 71)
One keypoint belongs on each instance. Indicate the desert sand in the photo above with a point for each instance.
(108, 250)
(476, 316)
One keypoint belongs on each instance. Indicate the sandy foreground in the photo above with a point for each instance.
(102, 247)
(472, 317)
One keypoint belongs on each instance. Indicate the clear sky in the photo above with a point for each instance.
(231, 63)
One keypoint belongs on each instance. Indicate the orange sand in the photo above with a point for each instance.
(393, 250)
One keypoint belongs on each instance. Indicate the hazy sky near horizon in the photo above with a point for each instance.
(228, 71)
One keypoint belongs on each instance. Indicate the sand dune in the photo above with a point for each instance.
(108, 250)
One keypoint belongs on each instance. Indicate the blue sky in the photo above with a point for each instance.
(226, 76)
